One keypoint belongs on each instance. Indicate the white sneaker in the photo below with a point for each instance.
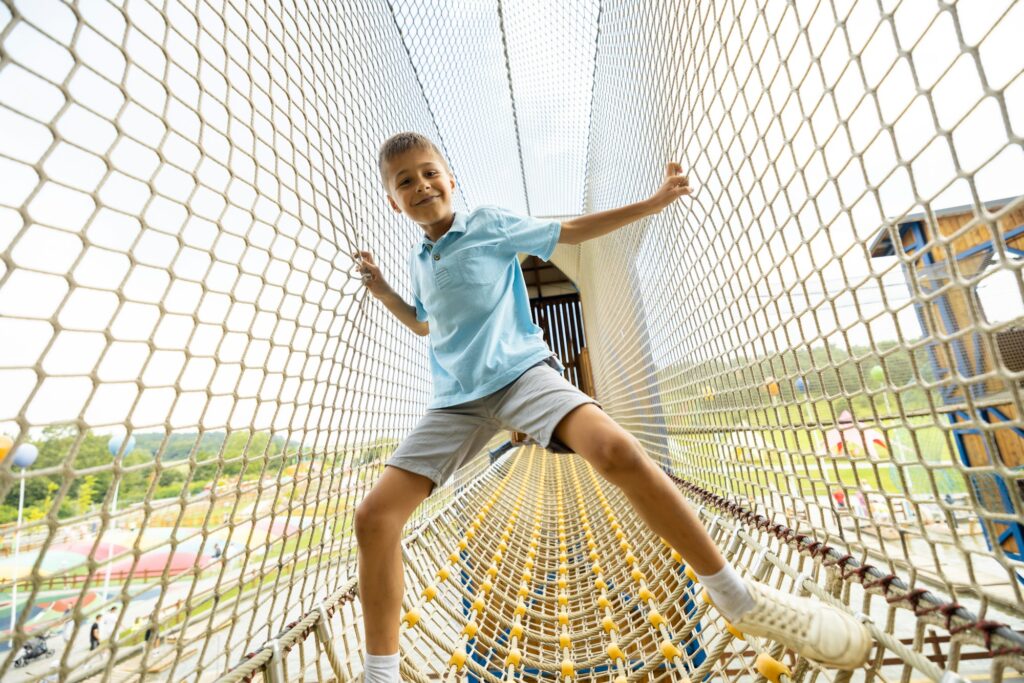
(807, 626)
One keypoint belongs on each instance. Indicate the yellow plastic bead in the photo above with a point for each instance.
(564, 640)
(594, 555)
(596, 569)
(430, 592)
(691, 575)
(646, 594)
(470, 628)
(476, 524)
(520, 608)
(669, 650)
(568, 668)
(492, 571)
(676, 557)
(656, 619)
(463, 544)
(513, 657)
(478, 605)
(470, 533)
(563, 618)
(517, 630)
(624, 546)
(527, 576)
(505, 535)
(443, 574)
(563, 557)
(736, 633)
(637, 575)
(562, 583)
(486, 586)
(453, 558)
(608, 624)
(458, 658)
(528, 563)
(563, 599)
(615, 652)
(524, 590)
(770, 668)
(630, 558)
(600, 584)
(706, 597)
(604, 602)
(412, 617)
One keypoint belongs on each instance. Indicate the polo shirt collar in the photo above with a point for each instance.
(458, 225)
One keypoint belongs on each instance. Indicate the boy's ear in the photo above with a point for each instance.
(394, 206)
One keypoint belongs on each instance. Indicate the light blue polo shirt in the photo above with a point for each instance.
(470, 288)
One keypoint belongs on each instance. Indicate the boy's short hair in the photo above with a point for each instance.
(402, 143)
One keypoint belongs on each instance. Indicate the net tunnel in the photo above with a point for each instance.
(823, 347)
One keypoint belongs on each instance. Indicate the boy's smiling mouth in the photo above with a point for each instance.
(427, 200)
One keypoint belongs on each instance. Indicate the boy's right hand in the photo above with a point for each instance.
(370, 273)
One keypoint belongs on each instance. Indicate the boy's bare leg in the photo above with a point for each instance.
(379, 520)
(813, 629)
(618, 457)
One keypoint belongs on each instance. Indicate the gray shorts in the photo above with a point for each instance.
(445, 439)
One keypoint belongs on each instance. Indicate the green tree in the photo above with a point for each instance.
(84, 497)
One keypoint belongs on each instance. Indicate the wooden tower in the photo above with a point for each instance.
(948, 256)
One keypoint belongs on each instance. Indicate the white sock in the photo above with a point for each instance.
(728, 592)
(381, 669)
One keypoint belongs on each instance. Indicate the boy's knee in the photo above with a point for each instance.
(375, 521)
(618, 452)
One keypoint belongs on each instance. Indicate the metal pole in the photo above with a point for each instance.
(106, 580)
(17, 539)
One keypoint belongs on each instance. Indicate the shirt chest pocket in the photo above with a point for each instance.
(479, 265)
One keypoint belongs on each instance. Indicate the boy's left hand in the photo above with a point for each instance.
(675, 186)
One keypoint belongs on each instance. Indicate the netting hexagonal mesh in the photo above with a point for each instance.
(823, 346)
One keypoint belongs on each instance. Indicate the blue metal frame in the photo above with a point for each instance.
(1013, 528)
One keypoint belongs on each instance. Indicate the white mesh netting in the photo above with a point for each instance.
(823, 345)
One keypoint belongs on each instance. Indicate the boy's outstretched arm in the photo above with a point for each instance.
(583, 228)
(380, 289)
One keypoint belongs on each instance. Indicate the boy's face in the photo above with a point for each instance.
(420, 186)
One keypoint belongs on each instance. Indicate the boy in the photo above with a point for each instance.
(492, 370)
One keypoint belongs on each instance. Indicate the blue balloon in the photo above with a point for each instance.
(114, 445)
(25, 454)
(801, 386)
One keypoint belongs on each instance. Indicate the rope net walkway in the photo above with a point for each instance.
(822, 346)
